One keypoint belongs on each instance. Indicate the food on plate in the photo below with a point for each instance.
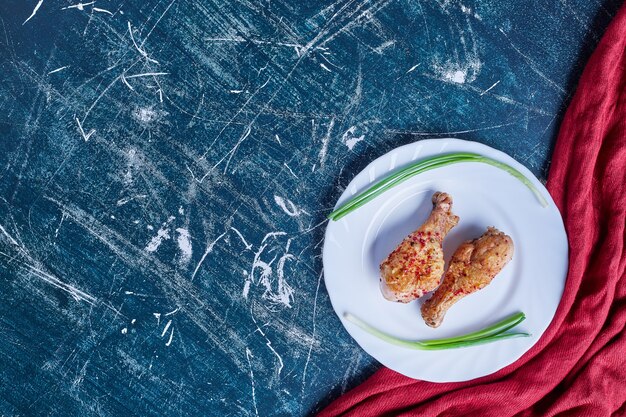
(416, 265)
(474, 264)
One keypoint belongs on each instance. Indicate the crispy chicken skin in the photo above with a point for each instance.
(474, 264)
(416, 265)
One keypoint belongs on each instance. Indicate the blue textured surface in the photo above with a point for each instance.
(166, 166)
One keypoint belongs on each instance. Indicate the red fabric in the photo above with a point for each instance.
(578, 367)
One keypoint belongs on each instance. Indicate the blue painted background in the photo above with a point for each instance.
(166, 167)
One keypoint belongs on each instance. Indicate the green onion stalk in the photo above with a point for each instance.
(489, 334)
(422, 166)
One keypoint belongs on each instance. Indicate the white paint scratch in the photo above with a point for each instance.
(79, 6)
(272, 234)
(172, 312)
(155, 242)
(167, 326)
(106, 89)
(288, 206)
(456, 132)
(292, 173)
(162, 234)
(147, 74)
(414, 67)
(169, 342)
(56, 232)
(269, 345)
(184, 244)
(160, 91)
(490, 88)
(77, 294)
(325, 141)
(239, 39)
(97, 9)
(126, 200)
(246, 288)
(37, 6)
(336, 24)
(58, 69)
(81, 375)
(282, 294)
(248, 356)
(82, 132)
(349, 139)
(11, 239)
(265, 267)
(141, 51)
(208, 250)
(233, 150)
(123, 78)
(35, 269)
(458, 73)
(247, 245)
(157, 22)
(380, 48)
(308, 357)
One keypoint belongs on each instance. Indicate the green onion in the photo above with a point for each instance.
(494, 329)
(489, 334)
(425, 165)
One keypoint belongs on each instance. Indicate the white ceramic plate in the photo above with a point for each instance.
(483, 196)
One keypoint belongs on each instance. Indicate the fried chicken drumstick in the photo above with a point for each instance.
(474, 264)
(416, 265)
